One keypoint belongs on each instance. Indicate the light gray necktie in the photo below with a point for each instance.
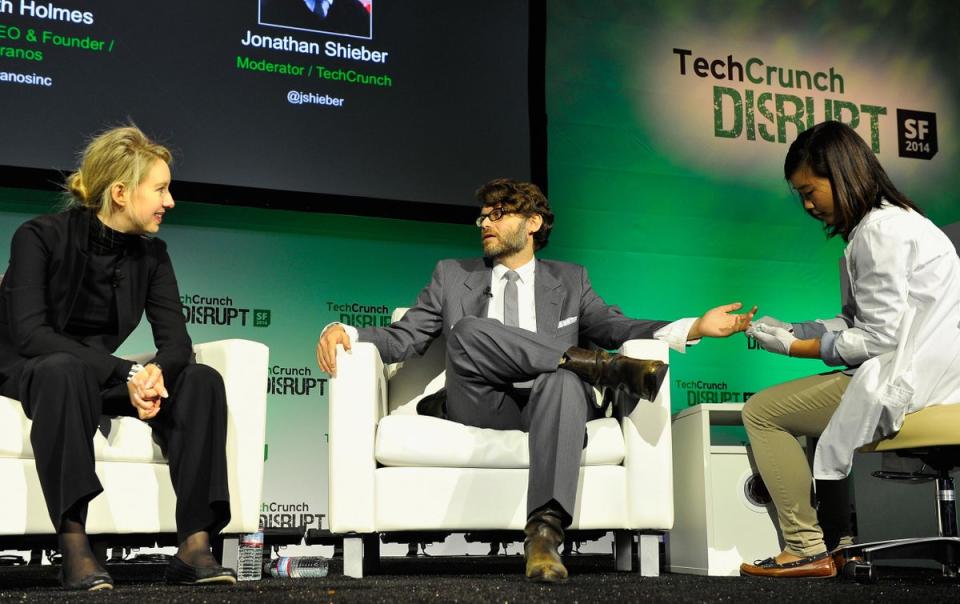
(511, 310)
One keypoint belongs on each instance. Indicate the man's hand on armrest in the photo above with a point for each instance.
(327, 347)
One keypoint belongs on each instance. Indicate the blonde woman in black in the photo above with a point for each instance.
(77, 285)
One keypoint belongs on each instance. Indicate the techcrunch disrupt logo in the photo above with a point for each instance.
(220, 310)
(275, 514)
(700, 391)
(758, 72)
(361, 315)
(296, 381)
(760, 114)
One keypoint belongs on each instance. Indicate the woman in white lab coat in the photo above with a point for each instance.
(897, 338)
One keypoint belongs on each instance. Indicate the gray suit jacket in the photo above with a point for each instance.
(460, 288)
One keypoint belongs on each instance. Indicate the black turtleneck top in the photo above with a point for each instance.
(95, 310)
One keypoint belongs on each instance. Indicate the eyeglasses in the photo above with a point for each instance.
(494, 215)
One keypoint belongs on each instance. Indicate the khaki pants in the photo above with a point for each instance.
(774, 418)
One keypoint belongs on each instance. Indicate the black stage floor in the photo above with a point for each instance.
(485, 579)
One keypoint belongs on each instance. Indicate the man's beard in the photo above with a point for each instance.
(506, 244)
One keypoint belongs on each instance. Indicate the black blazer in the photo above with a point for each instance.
(48, 258)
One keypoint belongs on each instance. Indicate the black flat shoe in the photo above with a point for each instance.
(95, 581)
(180, 573)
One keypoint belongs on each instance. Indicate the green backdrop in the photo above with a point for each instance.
(671, 205)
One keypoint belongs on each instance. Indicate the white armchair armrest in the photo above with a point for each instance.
(649, 447)
(243, 366)
(358, 399)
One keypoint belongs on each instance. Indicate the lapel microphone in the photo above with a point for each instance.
(488, 292)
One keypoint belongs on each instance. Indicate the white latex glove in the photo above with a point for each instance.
(774, 323)
(772, 339)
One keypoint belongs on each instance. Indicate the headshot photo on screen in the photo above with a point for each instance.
(351, 18)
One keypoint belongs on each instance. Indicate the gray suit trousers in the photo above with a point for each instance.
(484, 360)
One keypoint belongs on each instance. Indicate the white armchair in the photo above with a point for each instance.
(393, 470)
(137, 495)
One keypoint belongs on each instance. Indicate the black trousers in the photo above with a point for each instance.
(62, 397)
(484, 360)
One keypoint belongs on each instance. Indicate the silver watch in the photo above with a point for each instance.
(137, 368)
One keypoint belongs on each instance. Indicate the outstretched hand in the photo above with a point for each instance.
(721, 322)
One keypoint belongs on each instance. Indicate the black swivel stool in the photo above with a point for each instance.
(931, 435)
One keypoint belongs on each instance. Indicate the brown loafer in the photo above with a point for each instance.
(819, 566)
(544, 534)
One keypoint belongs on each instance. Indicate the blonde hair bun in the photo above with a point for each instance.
(76, 187)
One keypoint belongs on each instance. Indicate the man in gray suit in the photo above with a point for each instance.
(514, 325)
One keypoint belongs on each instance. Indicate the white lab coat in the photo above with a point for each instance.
(902, 323)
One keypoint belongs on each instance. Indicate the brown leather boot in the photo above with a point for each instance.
(640, 377)
(544, 534)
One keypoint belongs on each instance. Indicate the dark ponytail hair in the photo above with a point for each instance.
(834, 151)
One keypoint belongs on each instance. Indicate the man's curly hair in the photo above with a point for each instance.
(523, 198)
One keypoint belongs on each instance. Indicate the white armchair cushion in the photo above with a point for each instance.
(14, 430)
(118, 439)
(420, 441)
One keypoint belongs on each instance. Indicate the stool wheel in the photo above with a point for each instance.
(861, 572)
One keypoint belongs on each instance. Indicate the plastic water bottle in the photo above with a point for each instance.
(303, 567)
(250, 557)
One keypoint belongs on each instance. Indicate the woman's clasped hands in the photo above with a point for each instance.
(146, 389)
